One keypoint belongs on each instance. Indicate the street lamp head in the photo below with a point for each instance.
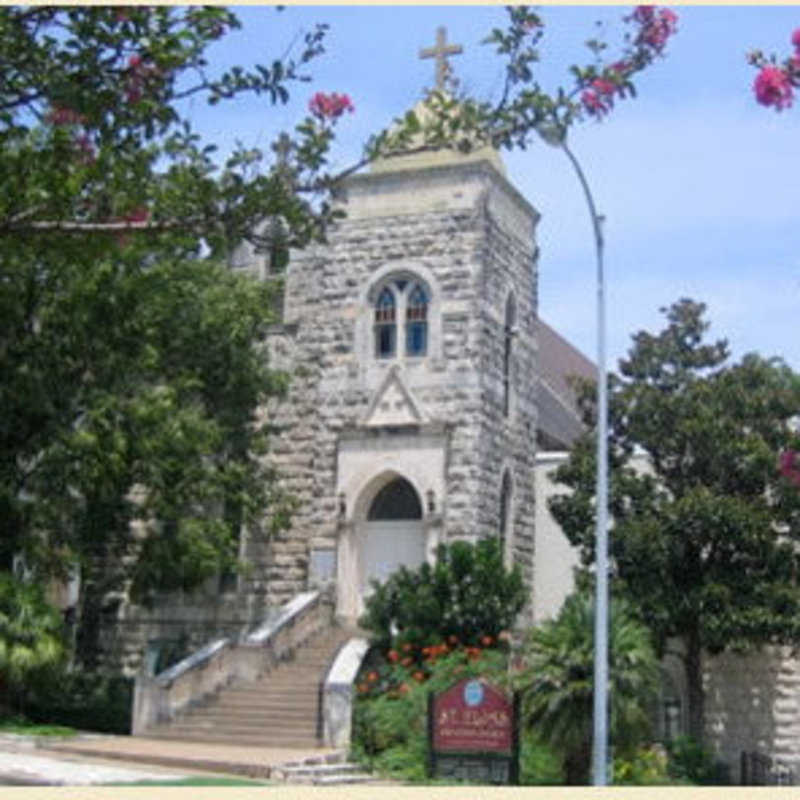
(552, 133)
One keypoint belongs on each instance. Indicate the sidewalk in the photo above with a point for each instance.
(96, 758)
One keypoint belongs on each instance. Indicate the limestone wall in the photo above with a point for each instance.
(753, 704)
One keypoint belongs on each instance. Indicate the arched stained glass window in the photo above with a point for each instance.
(417, 322)
(508, 338)
(397, 500)
(385, 324)
(505, 509)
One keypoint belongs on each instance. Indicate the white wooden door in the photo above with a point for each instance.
(388, 545)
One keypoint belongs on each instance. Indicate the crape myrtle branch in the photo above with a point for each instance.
(776, 81)
(450, 120)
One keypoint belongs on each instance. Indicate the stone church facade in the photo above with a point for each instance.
(411, 415)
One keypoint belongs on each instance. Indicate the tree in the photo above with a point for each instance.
(31, 638)
(705, 536)
(109, 415)
(130, 359)
(557, 681)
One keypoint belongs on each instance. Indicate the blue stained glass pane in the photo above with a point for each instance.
(384, 341)
(416, 338)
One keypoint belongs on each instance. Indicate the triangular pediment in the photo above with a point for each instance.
(393, 404)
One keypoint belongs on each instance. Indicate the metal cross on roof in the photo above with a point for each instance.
(440, 51)
(282, 147)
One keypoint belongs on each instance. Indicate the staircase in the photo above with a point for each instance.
(281, 709)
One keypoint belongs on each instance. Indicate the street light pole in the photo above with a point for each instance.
(600, 738)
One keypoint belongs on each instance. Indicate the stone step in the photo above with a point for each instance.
(322, 774)
(257, 728)
(282, 688)
(262, 705)
(284, 684)
(264, 709)
(280, 709)
(220, 717)
(301, 770)
(259, 690)
(281, 740)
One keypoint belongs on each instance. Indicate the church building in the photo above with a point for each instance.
(427, 403)
(421, 385)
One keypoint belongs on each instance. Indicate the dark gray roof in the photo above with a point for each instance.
(559, 421)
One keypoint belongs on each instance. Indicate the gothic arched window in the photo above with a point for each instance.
(397, 500)
(417, 322)
(508, 338)
(505, 509)
(385, 324)
(402, 306)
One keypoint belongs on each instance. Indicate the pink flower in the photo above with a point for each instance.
(622, 68)
(330, 106)
(789, 467)
(656, 26)
(603, 86)
(796, 39)
(59, 115)
(85, 148)
(138, 214)
(595, 105)
(644, 14)
(773, 88)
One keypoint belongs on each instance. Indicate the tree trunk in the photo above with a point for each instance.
(578, 764)
(694, 682)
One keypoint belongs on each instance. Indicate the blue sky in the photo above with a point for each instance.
(700, 185)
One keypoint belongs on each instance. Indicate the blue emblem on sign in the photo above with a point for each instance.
(473, 693)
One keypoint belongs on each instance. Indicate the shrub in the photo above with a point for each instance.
(84, 700)
(556, 682)
(647, 766)
(690, 761)
(31, 638)
(466, 597)
(539, 764)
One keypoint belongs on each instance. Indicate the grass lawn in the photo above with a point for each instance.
(21, 726)
(199, 781)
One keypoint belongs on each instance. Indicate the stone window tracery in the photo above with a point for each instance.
(508, 339)
(417, 322)
(401, 318)
(505, 507)
(385, 324)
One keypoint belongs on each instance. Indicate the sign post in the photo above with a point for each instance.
(473, 733)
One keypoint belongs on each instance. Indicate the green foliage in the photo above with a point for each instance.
(467, 595)
(390, 725)
(132, 362)
(539, 762)
(644, 767)
(712, 516)
(691, 762)
(557, 681)
(87, 701)
(23, 727)
(31, 637)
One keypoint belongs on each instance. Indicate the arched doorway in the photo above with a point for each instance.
(394, 534)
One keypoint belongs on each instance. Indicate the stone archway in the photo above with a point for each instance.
(388, 528)
(393, 533)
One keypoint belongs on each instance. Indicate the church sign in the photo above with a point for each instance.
(473, 733)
